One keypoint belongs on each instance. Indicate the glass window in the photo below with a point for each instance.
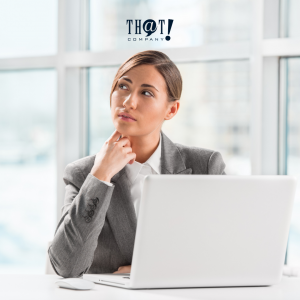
(27, 169)
(293, 152)
(290, 22)
(100, 122)
(28, 28)
(214, 112)
(196, 22)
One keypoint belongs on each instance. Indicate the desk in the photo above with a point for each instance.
(43, 287)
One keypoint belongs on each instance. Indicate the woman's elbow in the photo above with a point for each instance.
(62, 268)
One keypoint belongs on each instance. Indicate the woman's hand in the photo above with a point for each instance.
(112, 157)
(123, 269)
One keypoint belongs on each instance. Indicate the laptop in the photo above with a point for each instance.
(209, 231)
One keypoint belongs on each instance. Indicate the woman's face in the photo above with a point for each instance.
(141, 93)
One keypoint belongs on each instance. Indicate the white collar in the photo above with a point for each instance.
(153, 161)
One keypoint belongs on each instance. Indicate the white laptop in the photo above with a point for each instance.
(209, 230)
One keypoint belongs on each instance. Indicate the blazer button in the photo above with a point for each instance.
(91, 213)
(88, 219)
(92, 207)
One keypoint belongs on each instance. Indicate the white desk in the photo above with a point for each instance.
(43, 287)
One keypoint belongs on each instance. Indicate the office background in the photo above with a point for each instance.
(240, 63)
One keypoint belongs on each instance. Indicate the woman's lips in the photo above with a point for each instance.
(126, 117)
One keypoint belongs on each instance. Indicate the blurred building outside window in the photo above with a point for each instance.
(27, 168)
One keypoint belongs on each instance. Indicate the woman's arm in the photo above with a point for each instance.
(216, 164)
(83, 215)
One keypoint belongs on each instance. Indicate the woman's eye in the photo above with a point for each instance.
(149, 94)
(120, 86)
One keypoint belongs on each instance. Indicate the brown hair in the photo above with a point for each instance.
(163, 65)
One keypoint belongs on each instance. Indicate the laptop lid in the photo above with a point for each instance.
(212, 230)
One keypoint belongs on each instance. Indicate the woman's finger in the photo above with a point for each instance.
(127, 150)
(131, 161)
(115, 136)
(124, 142)
(123, 269)
(131, 156)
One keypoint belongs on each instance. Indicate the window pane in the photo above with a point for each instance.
(293, 152)
(196, 22)
(28, 27)
(100, 122)
(290, 22)
(214, 112)
(27, 169)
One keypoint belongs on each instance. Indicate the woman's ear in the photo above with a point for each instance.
(172, 109)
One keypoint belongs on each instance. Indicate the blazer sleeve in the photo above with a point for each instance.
(83, 215)
(216, 164)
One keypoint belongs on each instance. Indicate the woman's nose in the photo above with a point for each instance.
(130, 101)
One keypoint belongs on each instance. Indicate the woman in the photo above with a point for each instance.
(97, 229)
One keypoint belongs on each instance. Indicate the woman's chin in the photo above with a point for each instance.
(125, 131)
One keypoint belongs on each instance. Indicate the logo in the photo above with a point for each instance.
(149, 27)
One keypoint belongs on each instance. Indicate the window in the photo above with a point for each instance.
(27, 168)
(196, 22)
(215, 111)
(292, 100)
(100, 122)
(28, 27)
(290, 18)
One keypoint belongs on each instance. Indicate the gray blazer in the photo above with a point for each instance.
(97, 229)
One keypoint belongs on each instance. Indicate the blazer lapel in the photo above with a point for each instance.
(171, 160)
(121, 215)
